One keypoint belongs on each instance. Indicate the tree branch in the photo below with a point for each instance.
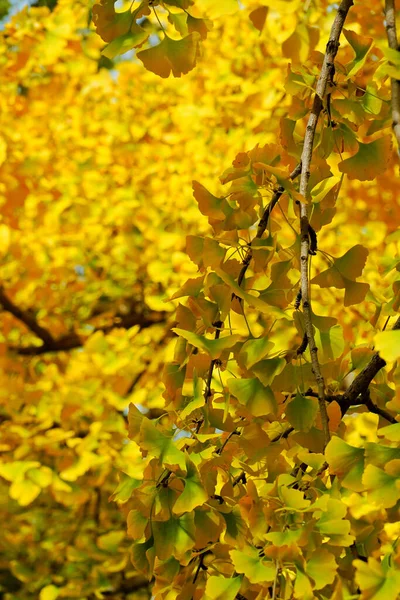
(26, 318)
(326, 76)
(263, 224)
(390, 18)
(74, 340)
(363, 379)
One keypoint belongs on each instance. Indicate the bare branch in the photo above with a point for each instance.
(390, 18)
(74, 340)
(326, 76)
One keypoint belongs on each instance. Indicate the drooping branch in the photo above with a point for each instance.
(326, 76)
(390, 18)
(71, 340)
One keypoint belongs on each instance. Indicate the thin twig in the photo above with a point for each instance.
(390, 18)
(326, 77)
(207, 391)
(228, 438)
(263, 223)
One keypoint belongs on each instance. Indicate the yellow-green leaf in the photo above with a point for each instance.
(178, 56)
(257, 398)
(387, 343)
(370, 161)
(249, 562)
(219, 587)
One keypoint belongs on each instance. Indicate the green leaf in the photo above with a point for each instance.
(126, 42)
(382, 489)
(370, 161)
(301, 412)
(198, 397)
(362, 46)
(387, 343)
(331, 522)
(253, 351)
(342, 273)
(161, 446)
(347, 462)
(322, 567)
(256, 569)
(212, 347)
(376, 580)
(174, 537)
(258, 399)
(390, 432)
(293, 499)
(178, 56)
(219, 587)
(194, 494)
(266, 370)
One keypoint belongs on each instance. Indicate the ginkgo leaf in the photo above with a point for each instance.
(370, 161)
(254, 350)
(178, 56)
(251, 300)
(266, 370)
(387, 343)
(258, 399)
(342, 273)
(390, 432)
(198, 398)
(347, 462)
(110, 24)
(213, 347)
(301, 412)
(332, 523)
(202, 26)
(377, 581)
(219, 587)
(193, 494)
(136, 523)
(362, 46)
(161, 446)
(258, 16)
(293, 499)
(134, 38)
(175, 536)
(322, 567)
(249, 562)
(382, 488)
(209, 205)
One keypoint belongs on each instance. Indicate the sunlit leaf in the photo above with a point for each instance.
(178, 56)
(257, 398)
(252, 565)
(370, 161)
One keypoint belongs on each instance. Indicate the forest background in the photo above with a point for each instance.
(146, 295)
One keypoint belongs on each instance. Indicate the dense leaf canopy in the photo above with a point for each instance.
(199, 284)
